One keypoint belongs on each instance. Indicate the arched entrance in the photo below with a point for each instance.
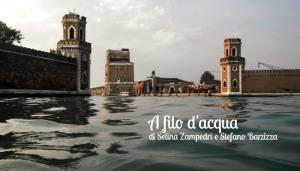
(172, 90)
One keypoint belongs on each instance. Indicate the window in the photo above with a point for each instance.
(224, 83)
(235, 83)
(234, 69)
(71, 33)
(224, 69)
(226, 52)
(233, 51)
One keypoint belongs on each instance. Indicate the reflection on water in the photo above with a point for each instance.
(236, 107)
(22, 145)
(42, 147)
(119, 122)
(72, 110)
(111, 133)
(119, 104)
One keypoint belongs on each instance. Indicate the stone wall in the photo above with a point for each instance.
(24, 68)
(271, 81)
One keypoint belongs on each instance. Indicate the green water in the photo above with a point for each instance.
(110, 133)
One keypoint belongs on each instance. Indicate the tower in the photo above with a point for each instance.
(74, 45)
(119, 73)
(232, 65)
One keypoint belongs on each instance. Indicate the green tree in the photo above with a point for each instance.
(9, 35)
(53, 51)
(206, 77)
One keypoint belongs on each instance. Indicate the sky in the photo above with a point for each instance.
(176, 38)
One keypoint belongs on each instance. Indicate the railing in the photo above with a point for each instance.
(74, 42)
(239, 59)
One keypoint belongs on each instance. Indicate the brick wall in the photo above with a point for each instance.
(24, 68)
(271, 81)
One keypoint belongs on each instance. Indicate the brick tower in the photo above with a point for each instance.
(119, 73)
(232, 65)
(74, 45)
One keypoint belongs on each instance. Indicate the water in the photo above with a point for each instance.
(111, 133)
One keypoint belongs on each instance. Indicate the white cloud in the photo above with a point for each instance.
(165, 37)
(131, 14)
(176, 38)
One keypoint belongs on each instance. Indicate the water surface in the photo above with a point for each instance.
(111, 133)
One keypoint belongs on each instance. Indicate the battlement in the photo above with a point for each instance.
(73, 17)
(279, 71)
(232, 40)
(118, 55)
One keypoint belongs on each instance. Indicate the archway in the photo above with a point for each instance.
(172, 89)
(224, 83)
(233, 52)
(235, 83)
(71, 33)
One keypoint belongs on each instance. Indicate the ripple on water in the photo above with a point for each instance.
(119, 122)
(72, 134)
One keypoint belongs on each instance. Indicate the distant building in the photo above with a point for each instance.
(235, 80)
(159, 85)
(213, 86)
(119, 73)
(98, 91)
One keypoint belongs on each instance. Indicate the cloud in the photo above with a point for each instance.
(130, 14)
(175, 38)
(165, 37)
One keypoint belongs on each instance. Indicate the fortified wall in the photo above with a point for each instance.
(32, 72)
(24, 68)
(271, 81)
(238, 81)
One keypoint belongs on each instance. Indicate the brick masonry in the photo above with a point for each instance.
(119, 72)
(271, 81)
(235, 80)
(24, 68)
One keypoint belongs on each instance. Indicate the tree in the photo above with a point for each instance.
(206, 77)
(56, 52)
(9, 35)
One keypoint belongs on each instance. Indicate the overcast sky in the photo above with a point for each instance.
(175, 38)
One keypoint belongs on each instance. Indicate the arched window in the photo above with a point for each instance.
(224, 83)
(226, 52)
(81, 34)
(233, 51)
(235, 83)
(71, 33)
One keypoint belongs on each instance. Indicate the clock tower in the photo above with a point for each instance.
(231, 66)
(74, 45)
